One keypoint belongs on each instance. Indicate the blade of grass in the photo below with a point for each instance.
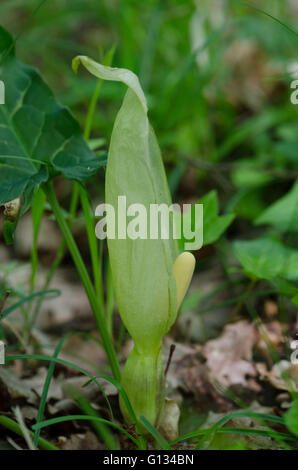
(236, 414)
(54, 293)
(37, 210)
(27, 22)
(86, 407)
(122, 392)
(259, 10)
(56, 360)
(155, 433)
(93, 244)
(230, 430)
(110, 299)
(63, 419)
(257, 432)
(46, 386)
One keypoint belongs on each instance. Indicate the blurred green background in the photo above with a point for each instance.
(217, 75)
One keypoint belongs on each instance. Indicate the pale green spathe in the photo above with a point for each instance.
(142, 269)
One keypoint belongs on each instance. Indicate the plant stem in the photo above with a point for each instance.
(81, 268)
(144, 382)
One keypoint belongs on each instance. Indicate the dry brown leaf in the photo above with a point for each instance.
(80, 441)
(283, 375)
(229, 357)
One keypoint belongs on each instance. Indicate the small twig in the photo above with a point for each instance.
(241, 302)
(13, 443)
(214, 170)
(26, 433)
(3, 302)
(172, 349)
(15, 331)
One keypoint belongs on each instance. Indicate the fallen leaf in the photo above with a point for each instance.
(229, 357)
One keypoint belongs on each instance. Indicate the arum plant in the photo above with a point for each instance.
(150, 277)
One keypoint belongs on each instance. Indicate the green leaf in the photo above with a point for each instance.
(214, 225)
(291, 418)
(282, 214)
(290, 270)
(267, 258)
(8, 231)
(38, 136)
(287, 288)
(155, 433)
(248, 175)
(191, 301)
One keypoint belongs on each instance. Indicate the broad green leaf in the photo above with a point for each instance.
(295, 300)
(262, 258)
(267, 258)
(290, 270)
(214, 225)
(282, 214)
(287, 288)
(291, 418)
(38, 136)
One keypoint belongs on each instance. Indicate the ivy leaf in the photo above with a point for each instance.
(282, 214)
(38, 136)
(267, 258)
(214, 225)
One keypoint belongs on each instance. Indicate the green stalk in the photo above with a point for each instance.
(81, 268)
(144, 382)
